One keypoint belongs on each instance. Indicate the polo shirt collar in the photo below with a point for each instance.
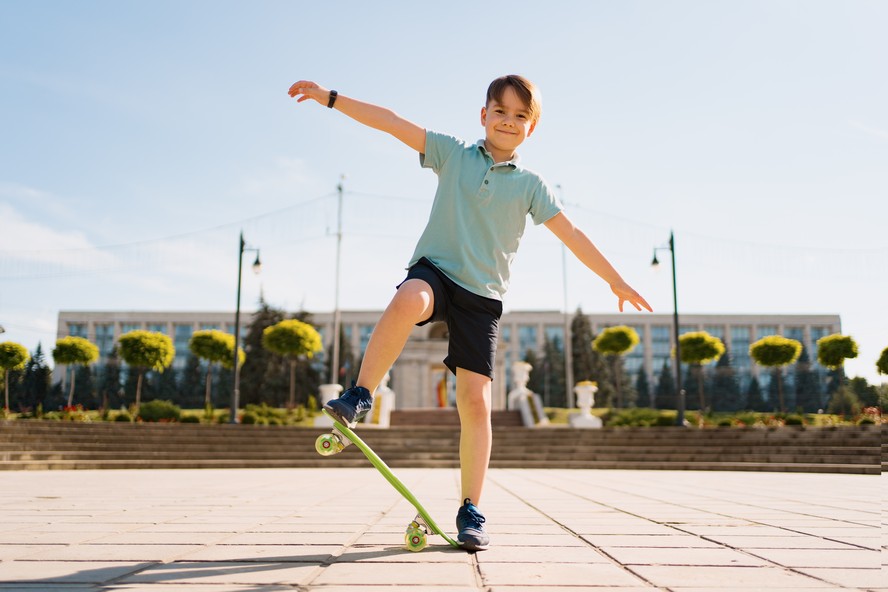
(511, 163)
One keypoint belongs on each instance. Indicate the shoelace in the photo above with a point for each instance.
(476, 518)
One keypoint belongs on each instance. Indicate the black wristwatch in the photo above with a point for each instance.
(333, 95)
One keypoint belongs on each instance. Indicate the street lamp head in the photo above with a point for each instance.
(655, 263)
(257, 265)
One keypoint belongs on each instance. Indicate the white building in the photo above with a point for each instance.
(418, 373)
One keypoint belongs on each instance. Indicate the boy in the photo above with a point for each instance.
(460, 268)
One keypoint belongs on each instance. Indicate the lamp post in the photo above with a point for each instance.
(678, 390)
(257, 267)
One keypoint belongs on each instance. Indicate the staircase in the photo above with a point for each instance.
(62, 445)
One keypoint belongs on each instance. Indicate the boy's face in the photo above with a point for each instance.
(507, 122)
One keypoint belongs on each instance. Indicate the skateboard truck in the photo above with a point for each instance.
(330, 444)
(416, 538)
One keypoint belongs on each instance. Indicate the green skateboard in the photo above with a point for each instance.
(416, 537)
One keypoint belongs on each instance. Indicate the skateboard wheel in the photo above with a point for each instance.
(328, 445)
(416, 539)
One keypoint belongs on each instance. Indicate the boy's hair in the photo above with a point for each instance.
(526, 90)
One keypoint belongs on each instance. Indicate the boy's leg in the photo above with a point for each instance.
(476, 435)
(413, 303)
(475, 441)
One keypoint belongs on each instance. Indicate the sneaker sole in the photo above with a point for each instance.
(335, 415)
(472, 546)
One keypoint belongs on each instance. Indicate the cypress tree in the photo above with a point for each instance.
(581, 347)
(808, 390)
(726, 395)
(109, 388)
(643, 387)
(36, 382)
(666, 396)
(264, 376)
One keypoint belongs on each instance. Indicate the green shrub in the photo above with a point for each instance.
(796, 420)
(123, 416)
(159, 410)
(189, 419)
(866, 421)
(248, 418)
(638, 416)
(725, 423)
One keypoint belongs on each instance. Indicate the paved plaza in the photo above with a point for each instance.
(267, 530)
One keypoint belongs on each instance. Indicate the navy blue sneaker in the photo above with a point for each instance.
(470, 524)
(351, 406)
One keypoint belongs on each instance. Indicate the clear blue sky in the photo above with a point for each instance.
(139, 137)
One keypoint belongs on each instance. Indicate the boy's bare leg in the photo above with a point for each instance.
(413, 302)
(476, 434)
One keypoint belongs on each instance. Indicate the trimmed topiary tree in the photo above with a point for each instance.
(292, 339)
(13, 356)
(882, 362)
(216, 347)
(616, 342)
(833, 350)
(146, 350)
(74, 351)
(776, 351)
(699, 348)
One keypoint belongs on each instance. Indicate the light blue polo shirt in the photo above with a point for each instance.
(479, 213)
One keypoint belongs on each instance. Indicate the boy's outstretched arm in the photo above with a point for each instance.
(370, 115)
(580, 245)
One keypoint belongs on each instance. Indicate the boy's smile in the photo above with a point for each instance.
(507, 124)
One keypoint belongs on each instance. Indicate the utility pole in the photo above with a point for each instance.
(334, 366)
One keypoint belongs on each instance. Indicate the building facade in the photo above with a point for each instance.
(419, 376)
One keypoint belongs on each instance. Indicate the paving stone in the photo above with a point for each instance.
(209, 572)
(501, 554)
(112, 552)
(861, 578)
(562, 574)
(713, 578)
(263, 553)
(398, 554)
(670, 556)
(360, 573)
(58, 572)
(822, 558)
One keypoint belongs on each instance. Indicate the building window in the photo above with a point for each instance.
(661, 346)
(209, 326)
(157, 327)
(555, 335)
(129, 327)
(365, 331)
(527, 339)
(77, 330)
(634, 360)
(716, 331)
(105, 338)
(181, 337)
(765, 331)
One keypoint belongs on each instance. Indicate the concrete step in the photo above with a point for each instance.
(46, 445)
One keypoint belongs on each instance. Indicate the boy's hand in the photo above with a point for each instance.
(305, 90)
(626, 294)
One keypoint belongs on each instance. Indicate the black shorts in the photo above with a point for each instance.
(472, 320)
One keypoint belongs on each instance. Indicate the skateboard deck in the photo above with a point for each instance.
(416, 536)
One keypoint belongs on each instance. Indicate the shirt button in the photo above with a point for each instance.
(486, 181)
